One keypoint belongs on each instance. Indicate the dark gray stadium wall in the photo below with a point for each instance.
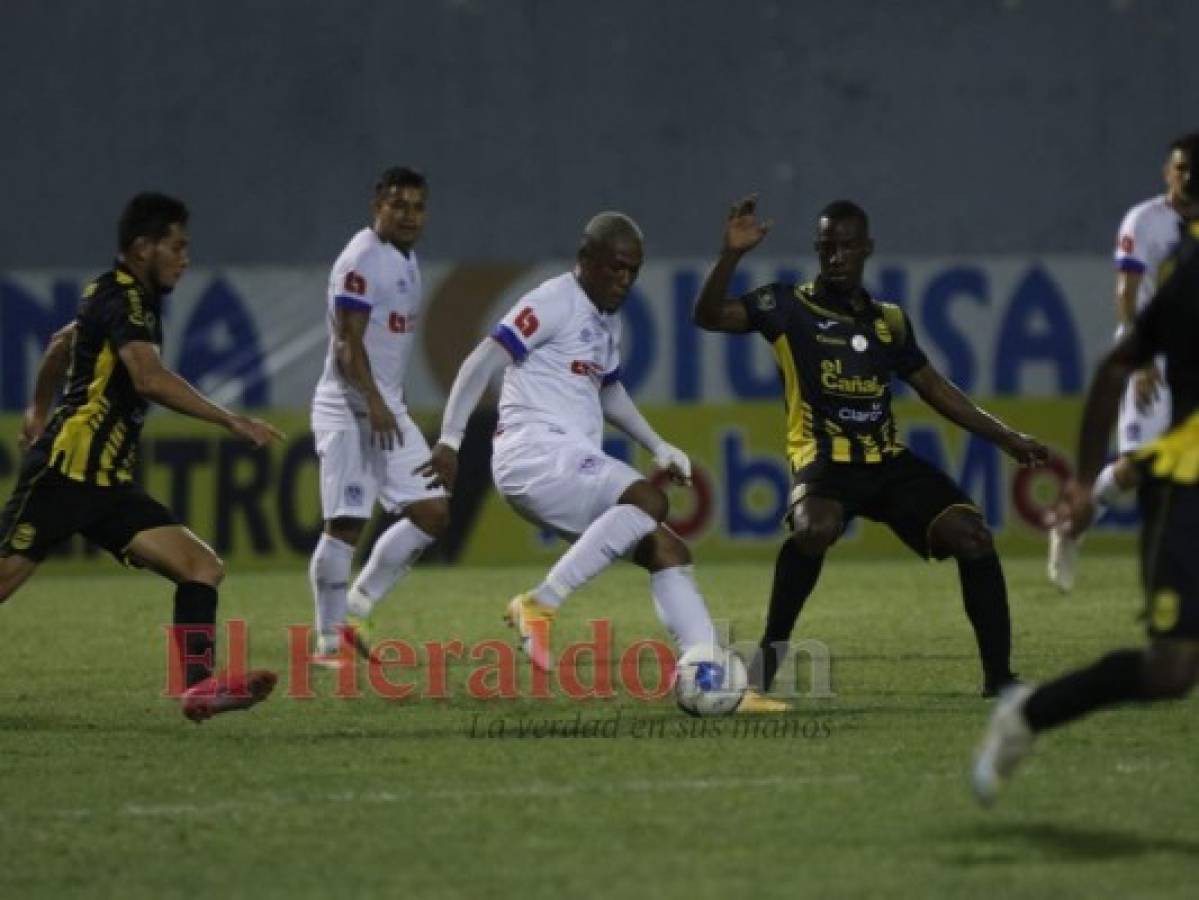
(967, 127)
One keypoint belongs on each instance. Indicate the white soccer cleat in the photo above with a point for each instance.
(1007, 741)
(1063, 557)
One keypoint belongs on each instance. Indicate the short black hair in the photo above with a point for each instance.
(400, 177)
(845, 209)
(1187, 143)
(149, 215)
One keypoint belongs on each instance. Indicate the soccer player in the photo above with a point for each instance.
(1147, 235)
(77, 475)
(559, 349)
(837, 348)
(367, 443)
(1168, 666)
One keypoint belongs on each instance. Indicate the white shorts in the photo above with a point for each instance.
(354, 474)
(1139, 428)
(557, 480)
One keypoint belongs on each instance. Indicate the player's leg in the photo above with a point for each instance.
(176, 553)
(816, 523)
(681, 607)
(425, 519)
(348, 487)
(14, 571)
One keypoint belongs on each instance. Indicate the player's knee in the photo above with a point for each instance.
(433, 518)
(815, 538)
(963, 537)
(205, 567)
(649, 499)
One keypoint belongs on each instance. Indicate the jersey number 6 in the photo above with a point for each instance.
(526, 321)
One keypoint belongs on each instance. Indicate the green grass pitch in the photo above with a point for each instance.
(106, 790)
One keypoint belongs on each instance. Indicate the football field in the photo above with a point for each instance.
(106, 790)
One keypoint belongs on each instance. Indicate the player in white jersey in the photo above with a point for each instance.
(367, 444)
(1147, 235)
(559, 348)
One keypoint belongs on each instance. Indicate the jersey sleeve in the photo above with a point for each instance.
(533, 321)
(125, 317)
(1131, 241)
(765, 307)
(909, 357)
(355, 283)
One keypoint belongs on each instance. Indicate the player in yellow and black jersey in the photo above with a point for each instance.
(1167, 667)
(77, 475)
(837, 350)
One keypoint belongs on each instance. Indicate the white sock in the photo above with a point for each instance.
(329, 573)
(390, 559)
(681, 607)
(609, 537)
(1106, 490)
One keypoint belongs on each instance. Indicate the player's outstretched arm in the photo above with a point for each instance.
(156, 382)
(50, 375)
(441, 469)
(620, 411)
(742, 232)
(947, 398)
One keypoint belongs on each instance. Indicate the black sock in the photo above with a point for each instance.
(794, 577)
(984, 594)
(195, 605)
(1117, 678)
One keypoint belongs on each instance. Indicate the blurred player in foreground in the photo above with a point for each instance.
(1168, 666)
(559, 349)
(837, 348)
(367, 443)
(1147, 236)
(77, 475)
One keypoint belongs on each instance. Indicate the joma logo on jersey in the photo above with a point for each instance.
(834, 381)
(401, 324)
(586, 367)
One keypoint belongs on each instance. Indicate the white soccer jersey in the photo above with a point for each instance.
(1147, 235)
(374, 277)
(563, 351)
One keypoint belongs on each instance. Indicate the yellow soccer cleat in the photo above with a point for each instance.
(532, 622)
(755, 704)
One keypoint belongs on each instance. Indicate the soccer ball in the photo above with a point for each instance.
(709, 681)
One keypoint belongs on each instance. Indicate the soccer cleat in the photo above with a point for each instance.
(532, 621)
(1063, 557)
(222, 693)
(358, 630)
(1007, 741)
(753, 704)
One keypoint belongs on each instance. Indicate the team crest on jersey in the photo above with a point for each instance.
(859, 343)
(585, 335)
(763, 298)
(883, 332)
(353, 495)
(22, 536)
(589, 464)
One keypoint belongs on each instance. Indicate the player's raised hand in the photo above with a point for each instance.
(1025, 449)
(256, 431)
(385, 430)
(674, 461)
(441, 469)
(743, 231)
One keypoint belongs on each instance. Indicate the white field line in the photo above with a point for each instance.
(406, 795)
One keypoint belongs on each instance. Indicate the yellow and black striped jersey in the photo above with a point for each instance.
(836, 364)
(92, 436)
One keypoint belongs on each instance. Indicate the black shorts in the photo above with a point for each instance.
(46, 508)
(903, 492)
(1170, 558)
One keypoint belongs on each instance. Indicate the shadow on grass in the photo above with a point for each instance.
(1010, 842)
